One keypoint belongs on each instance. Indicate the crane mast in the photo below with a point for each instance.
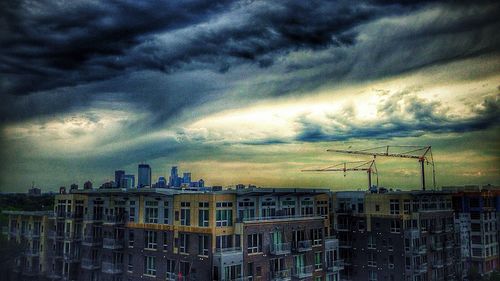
(422, 153)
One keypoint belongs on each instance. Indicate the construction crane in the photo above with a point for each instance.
(368, 166)
(422, 153)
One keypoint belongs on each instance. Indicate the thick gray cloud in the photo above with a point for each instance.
(51, 47)
(402, 115)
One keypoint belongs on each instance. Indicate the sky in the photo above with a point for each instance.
(247, 91)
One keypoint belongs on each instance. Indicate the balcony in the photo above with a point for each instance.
(282, 275)
(342, 227)
(111, 243)
(437, 246)
(449, 244)
(114, 219)
(72, 236)
(32, 253)
(71, 257)
(421, 268)
(90, 240)
(436, 229)
(420, 250)
(303, 271)
(112, 268)
(90, 264)
(345, 244)
(303, 246)
(331, 243)
(32, 234)
(228, 256)
(30, 271)
(93, 218)
(280, 248)
(438, 264)
(336, 266)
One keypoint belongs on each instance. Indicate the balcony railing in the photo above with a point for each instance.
(112, 268)
(90, 240)
(280, 248)
(336, 266)
(30, 271)
(111, 243)
(71, 257)
(114, 219)
(32, 234)
(438, 264)
(422, 249)
(90, 264)
(285, 274)
(437, 246)
(32, 252)
(284, 217)
(303, 271)
(303, 246)
(421, 268)
(93, 217)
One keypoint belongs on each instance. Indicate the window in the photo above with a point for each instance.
(254, 242)
(372, 275)
(185, 213)
(203, 245)
(165, 241)
(166, 213)
(317, 236)
(171, 270)
(131, 214)
(150, 240)
(395, 226)
(151, 212)
(149, 266)
(406, 207)
(268, 208)
(306, 207)
(183, 243)
(130, 238)
(130, 266)
(224, 217)
(372, 259)
(394, 207)
(391, 262)
(203, 217)
(317, 260)
(377, 208)
(371, 242)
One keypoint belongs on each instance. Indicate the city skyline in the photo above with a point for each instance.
(247, 92)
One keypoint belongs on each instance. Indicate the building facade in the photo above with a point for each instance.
(164, 234)
(397, 236)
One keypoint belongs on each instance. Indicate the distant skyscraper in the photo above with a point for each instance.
(118, 178)
(144, 175)
(87, 185)
(186, 179)
(128, 181)
(201, 183)
(173, 176)
(162, 182)
(73, 187)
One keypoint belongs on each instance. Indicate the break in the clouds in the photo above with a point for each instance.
(93, 85)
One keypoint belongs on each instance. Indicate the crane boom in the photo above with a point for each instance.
(414, 152)
(368, 167)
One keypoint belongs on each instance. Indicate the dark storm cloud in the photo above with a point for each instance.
(46, 45)
(58, 49)
(402, 115)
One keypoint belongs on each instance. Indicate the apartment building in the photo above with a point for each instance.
(165, 234)
(477, 210)
(29, 230)
(397, 235)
